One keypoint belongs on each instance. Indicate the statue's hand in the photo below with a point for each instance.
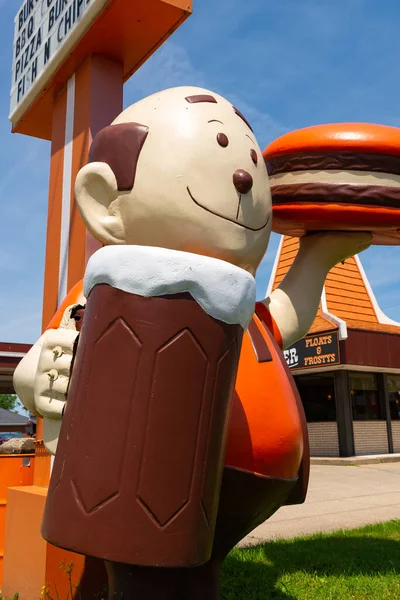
(53, 372)
(332, 247)
(54, 367)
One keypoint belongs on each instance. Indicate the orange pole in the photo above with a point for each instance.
(91, 100)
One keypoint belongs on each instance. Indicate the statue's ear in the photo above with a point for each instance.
(95, 189)
(113, 160)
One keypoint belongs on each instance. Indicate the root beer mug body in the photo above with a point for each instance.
(139, 463)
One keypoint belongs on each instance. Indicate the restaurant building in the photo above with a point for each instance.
(10, 356)
(347, 369)
(11, 422)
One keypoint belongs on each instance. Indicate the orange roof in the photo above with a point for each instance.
(321, 323)
(348, 295)
(288, 251)
(337, 137)
(379, 327)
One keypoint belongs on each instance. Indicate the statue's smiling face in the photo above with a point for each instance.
(228, 178)
(200, 183)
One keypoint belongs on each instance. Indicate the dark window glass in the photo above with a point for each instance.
(318, 396)
(394, 397)
(364, 395)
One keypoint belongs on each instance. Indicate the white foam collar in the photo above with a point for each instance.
(224, 291)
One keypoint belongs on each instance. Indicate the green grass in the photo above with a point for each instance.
(361, 564)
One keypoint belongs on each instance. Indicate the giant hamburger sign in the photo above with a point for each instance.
(339, 176)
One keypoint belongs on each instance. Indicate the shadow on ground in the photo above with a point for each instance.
(258, 573)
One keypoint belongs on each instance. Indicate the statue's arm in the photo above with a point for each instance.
(294, 304)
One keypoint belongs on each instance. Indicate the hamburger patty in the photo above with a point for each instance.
(346, 161)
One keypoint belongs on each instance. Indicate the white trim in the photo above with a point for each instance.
(364, 369)
(224, 291)
(274, 268)
(66, 191)
(380, 315)
(343, 335)
(13, 354)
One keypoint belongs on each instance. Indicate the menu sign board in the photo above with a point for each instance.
(314, 351)
(45, 31)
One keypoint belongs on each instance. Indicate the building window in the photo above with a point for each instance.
(318, 396)
(394, 397)
(365, 399)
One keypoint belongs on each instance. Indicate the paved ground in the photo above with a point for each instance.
(339, 497)
(355, 460)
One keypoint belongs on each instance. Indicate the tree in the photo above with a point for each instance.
(9, 402)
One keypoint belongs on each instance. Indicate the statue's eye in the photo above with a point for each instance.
(254, 156)
(222, 140)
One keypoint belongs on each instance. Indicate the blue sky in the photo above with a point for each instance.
(285, 64)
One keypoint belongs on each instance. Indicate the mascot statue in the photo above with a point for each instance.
(163, 351)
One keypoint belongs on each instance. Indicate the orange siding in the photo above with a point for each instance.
(346, 294)
(321, 324)
(341, 283)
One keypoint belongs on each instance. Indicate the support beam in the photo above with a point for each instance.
(384, 400)
(344, 414)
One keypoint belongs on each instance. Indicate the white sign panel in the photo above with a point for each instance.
(45, 32)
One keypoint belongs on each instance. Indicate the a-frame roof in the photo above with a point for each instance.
(10, 356)
(347, 299)
(8, 418)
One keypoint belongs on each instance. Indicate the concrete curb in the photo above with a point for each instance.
(354, 461)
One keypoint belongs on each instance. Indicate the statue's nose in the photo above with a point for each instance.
(243, 181)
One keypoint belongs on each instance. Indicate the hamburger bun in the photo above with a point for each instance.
(343, 176)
